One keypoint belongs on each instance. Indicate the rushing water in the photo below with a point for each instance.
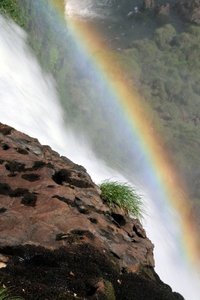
(122, 21)
(29, 102)
(106, 8)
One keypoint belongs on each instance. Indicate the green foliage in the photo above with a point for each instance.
(12, 9)
(5, 295)
(169, 80)
(109, 291)
(194, 31)
(164, 35)
(122, 195)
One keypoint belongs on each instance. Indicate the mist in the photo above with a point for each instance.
(29, 102)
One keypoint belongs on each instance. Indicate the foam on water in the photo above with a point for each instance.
(88, 8)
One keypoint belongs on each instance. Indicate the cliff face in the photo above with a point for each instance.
(58, 240)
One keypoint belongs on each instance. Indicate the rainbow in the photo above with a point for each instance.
(157, 161)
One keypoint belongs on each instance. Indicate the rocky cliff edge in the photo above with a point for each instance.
(58, 239)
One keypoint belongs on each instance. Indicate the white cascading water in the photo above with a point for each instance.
(29, 102)
(88, 8)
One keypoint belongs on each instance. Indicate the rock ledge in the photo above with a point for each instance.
(58, 240)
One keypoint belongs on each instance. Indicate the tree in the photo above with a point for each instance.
(164, 35)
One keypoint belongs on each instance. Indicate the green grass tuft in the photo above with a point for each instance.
(123, 195)
(5, 295)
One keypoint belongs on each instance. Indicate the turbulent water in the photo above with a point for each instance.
(87, 8)
(106, 8)
(29, 102)
(121, 21)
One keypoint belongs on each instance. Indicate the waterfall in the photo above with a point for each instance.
(29, 102)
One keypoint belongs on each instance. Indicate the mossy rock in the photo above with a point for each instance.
(68, 296)
(109, 291)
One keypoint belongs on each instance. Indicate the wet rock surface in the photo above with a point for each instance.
(58, 239)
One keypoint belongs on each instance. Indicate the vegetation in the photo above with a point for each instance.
(169, 81)
(12, 9)
(123, 195)
(163, 67)
(5, 295)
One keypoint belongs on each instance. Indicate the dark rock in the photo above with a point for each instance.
(38, 165)
(78, 201)
(75, 236)
(22, 151)
(93, 220)
(83, 210)
(77, 179)
(5, 130)
(118, 219)
(94, 273)
(5, 147)
(63, 199)
(14, 166)
(3, 210)
(61, 236)
(5, 189)
(31, 177)
(137, 228)
(80, 232)
(19, 192)
(29, 199)
(61, 176)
